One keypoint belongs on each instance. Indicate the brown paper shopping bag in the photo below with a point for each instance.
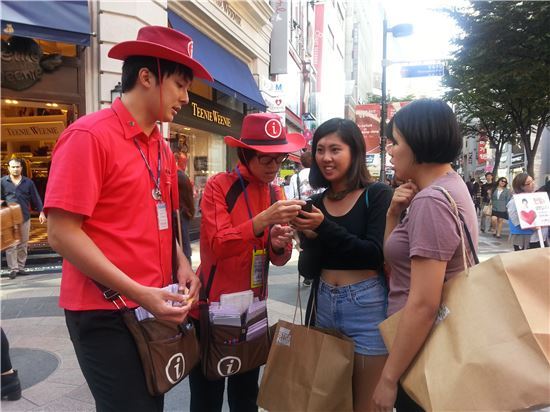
(490, 347)
(308, 369)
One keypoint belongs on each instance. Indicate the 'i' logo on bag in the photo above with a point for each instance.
(175, 368)
(229, 365)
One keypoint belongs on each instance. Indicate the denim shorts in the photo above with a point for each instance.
(355, 310)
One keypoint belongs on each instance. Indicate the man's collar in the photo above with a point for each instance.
(129, 124)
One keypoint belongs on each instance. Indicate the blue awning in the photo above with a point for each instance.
(63, 21)
(231, 75)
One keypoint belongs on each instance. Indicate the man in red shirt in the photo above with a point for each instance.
(111, 190)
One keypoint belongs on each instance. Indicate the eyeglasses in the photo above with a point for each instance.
(265, 160)
(529, 183)
(504, 181)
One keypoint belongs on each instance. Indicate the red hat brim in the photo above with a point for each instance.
(295, 141)
(123, 50)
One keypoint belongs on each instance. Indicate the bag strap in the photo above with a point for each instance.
(205, 292)
(298, 185)
(463, 228)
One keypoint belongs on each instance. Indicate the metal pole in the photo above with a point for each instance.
(383, 106)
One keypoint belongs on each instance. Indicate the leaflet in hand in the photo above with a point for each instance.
(142, 313)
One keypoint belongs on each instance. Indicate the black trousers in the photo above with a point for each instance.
(6, 361)
(207, 396)
(108, 357)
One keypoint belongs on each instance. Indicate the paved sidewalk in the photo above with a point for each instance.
(43, 354)
(41, 350)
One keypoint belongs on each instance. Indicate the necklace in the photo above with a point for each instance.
(337, 195)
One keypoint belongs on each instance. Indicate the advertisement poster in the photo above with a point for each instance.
(367, 117)
(533, 209)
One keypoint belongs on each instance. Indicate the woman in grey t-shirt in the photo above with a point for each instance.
(424, 249)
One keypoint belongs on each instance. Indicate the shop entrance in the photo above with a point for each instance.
(30, 130)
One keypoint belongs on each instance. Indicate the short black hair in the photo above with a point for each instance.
(430, 128)
(246, 155)
(489, 173)
(358, 174)
(133, 64)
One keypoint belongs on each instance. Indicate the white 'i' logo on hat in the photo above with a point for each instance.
(273, 128)
(190, 49)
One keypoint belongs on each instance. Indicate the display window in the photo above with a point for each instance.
(30, 130)
(204, 153)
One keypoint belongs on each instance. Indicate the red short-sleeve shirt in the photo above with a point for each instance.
(98, 172)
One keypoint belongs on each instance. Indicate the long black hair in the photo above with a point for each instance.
(358, 175)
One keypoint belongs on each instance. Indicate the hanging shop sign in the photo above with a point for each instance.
(206, 115)
(23, 63)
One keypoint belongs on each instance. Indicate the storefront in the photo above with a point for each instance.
(197, 133)
(216, 109)
(42, 84)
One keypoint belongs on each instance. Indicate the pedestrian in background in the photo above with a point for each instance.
(499, 199)
(477, 195)
(522, 239)
(110, 197)
(343, 236)
(486, 192)
(16, 188)
(424, 250)
(244, 220)
(186, 202)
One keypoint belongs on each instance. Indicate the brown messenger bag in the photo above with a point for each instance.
(11, 218)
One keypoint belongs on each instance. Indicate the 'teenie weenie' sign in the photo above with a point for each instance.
(533, 209)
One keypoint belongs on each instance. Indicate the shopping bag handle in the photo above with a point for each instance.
(462, 227)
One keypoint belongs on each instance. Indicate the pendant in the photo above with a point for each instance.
(157, 195)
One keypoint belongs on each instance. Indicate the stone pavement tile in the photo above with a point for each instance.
(68, 376)
(65, 404)
(82, 394)
(69, 361)
(46, 392)
(22, 405)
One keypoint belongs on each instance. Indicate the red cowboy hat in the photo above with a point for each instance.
(265, 133)
(164, 43)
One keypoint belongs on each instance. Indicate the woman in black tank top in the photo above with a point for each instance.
(343, 238)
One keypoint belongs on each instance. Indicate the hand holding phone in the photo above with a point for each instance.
(308, 207)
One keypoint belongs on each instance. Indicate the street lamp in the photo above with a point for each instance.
(116, 92)
(400, 30)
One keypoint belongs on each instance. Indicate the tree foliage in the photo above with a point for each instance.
(499, 77)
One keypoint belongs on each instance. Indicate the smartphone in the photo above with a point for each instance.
(308, 207)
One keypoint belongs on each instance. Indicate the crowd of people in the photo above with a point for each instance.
(118, 232)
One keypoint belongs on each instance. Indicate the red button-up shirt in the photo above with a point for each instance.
(98, 172)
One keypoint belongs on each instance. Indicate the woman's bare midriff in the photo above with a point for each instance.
(346, 277)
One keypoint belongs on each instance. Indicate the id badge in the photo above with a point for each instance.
(258, 268)
(162, 216)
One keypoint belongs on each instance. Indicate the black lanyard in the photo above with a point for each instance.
(244, 192)
(157, 194)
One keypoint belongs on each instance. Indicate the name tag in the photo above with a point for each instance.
(258, 268)
(162, 216)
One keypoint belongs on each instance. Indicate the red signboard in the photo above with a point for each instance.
(482, 150)
(318, 43)
(367, 117)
